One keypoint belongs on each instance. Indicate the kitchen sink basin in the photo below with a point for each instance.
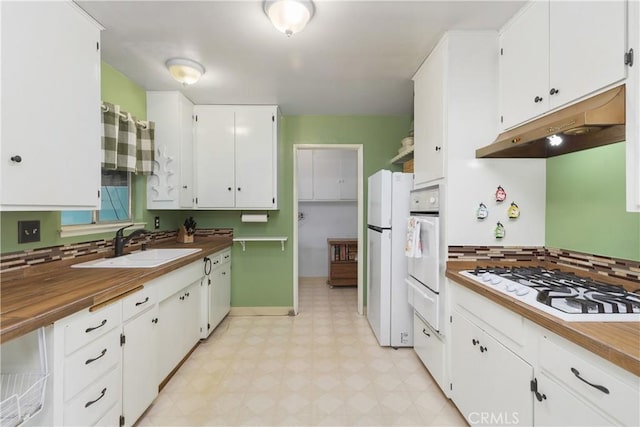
(141, 259)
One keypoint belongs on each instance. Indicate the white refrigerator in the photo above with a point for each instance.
(388, 311)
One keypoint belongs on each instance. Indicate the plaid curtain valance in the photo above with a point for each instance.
(127, 144)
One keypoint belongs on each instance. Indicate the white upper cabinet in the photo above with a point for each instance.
(430, 104)
(304, 176)
(327, 175)
(335, 175)
(171, 184)
(524, 61)
(50, 107)
(236, 157)
(633, 111)
(553, 53)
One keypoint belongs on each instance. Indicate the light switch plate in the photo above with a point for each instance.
(28, 231)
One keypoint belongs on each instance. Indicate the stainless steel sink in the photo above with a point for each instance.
(141, 259)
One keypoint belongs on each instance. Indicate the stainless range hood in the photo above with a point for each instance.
(596, 121)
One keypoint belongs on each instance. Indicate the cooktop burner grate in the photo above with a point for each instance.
(561, 293)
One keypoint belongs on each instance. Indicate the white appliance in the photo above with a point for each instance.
(424, 292)
(388, 311)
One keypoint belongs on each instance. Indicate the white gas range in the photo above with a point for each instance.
(564, 295)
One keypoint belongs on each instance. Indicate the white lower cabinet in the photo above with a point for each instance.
(108, 362)
(506, 370)
(139, 349)
(179, 327)
(216, 292)
(430, 348)
(87, 370)
(490, 383)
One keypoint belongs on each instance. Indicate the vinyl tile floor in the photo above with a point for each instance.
(323, 367)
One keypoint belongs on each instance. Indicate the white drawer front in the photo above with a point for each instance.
(90, 362)
(426, 304)
(88, 326)
(92, 403)
(430, 349)
(172, 282)
(138, 302)
(225, 256)
(609, 393)
(111, 418)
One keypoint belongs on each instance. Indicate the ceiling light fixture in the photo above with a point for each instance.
(289, 16)
(184, 70)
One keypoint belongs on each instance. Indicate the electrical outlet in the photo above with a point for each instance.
(156, 222)
(28, 231)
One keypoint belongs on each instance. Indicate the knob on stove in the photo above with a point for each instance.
(511, 287)
(522, 291)
(486, 277)
(496, 280)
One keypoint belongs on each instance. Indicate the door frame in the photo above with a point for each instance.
(359, 148)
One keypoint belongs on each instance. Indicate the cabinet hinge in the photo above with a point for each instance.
(628, 58)
(273, 118)
(196, 116)
(450, 386)
(196, 200)
(273, 200)
(208, 326)
(97, 45)
(450, 319)
(501, 119)
(121, 420)
(123, 339)
(501, 52)
(98, 194)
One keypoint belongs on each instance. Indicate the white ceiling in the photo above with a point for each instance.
(354, 57)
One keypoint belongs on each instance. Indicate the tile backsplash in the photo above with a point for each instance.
(24, 259)
(606, 266)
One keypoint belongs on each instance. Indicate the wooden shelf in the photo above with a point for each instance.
(343, 262)
(403, 157)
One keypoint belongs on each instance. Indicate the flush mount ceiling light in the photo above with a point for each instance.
(184, 70)
(289, 16)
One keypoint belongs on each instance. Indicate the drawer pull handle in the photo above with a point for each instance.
(96, 358)
(102, 393)
(599, 387)
(424, 331)
(146, 300)
(104, 322)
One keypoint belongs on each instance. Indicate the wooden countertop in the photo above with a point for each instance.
(38, 296)
(618, 342)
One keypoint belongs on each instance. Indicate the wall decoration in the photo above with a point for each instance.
(499, 232)
(501, 195)
(482, 212)
(514, 211)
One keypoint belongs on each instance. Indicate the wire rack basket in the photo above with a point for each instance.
(22, 394)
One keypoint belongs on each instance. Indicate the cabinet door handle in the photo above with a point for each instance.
(102, 393)
(154, 320)
(207, 266)
(104, 322)
(424, 331)
(185, 187)
(475, 341)
(187, 294)
(438, 148)
(96, 358)
(554, 91)
(537, 99)
(239, 189)
(229, 188)
(146, 300)
(182, 297)
(483, 349)
(224, 273)
(16, 159)
(599, 387)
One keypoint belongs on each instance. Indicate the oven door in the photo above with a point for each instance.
(426, 269)
(425, 302)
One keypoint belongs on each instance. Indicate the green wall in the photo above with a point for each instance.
(585, 208)
(116, 89)
(263, 274)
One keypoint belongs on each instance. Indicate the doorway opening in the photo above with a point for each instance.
(332, 205)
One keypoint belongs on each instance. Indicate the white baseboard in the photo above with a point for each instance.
(260, 311)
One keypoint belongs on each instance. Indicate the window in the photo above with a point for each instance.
(115, 195)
